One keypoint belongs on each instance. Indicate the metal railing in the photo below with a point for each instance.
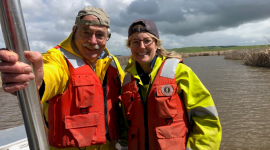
(15, 36)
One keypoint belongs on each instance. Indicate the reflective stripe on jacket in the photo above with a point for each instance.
(205, 132)
(162, 118)
(76, 117)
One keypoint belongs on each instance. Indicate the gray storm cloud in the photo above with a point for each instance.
(185, 18)
(181, 23)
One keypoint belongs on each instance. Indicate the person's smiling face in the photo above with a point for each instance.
(143, 48)
(90, 40)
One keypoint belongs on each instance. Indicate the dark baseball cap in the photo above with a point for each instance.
(147, 26)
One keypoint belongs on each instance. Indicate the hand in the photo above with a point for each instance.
(119, 146)
(15, 74)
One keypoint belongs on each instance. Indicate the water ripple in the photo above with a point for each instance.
(242, 97)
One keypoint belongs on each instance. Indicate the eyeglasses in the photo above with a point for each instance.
(85, 33)
(137, 43)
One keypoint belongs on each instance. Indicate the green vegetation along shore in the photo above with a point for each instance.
(212, 48)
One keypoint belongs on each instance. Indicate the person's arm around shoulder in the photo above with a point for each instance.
(202, 114)
(122, 142)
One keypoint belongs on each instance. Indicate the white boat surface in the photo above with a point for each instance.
(14, 139)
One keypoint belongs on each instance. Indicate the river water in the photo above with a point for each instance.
(241, 95)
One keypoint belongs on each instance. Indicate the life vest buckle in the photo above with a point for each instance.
(84, 110)
(169, 121)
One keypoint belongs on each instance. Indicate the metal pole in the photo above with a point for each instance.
(16, 39)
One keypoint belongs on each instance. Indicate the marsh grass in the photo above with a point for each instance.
(235, 54)
(259, 57)
(207, 53)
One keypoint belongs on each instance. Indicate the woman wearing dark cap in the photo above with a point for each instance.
(166, 105)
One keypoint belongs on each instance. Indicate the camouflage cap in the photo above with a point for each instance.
(98, 12)
(147, 26)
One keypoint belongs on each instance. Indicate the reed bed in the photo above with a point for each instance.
(194, 54)
(259, 57)
(235, 54)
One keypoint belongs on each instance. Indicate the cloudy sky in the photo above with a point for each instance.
(181, 23)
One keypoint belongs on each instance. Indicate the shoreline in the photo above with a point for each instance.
(259, 57)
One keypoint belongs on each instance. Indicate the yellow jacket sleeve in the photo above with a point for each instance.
(56, 74)
(205, 133)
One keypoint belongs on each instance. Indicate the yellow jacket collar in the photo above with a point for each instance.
(131, 68)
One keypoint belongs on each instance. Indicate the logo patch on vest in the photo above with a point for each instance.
(167, 90)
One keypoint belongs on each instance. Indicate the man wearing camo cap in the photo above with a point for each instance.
(79, 83)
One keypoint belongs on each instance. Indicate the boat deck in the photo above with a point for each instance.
(14, 139)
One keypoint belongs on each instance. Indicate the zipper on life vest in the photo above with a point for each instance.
(146, 125)
(144, 103)
(104, 85)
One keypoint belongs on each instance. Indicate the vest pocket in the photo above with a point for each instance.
(84, 90)
(133, 138)
(172, 137)
(128, 100)
(166, 106)
(82, 127)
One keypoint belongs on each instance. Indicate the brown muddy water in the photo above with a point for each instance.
(241, 95)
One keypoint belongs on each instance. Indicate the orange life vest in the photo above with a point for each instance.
(83, 115)
(161, 122)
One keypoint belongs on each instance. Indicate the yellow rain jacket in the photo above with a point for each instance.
(205, 133)
(56, 77)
